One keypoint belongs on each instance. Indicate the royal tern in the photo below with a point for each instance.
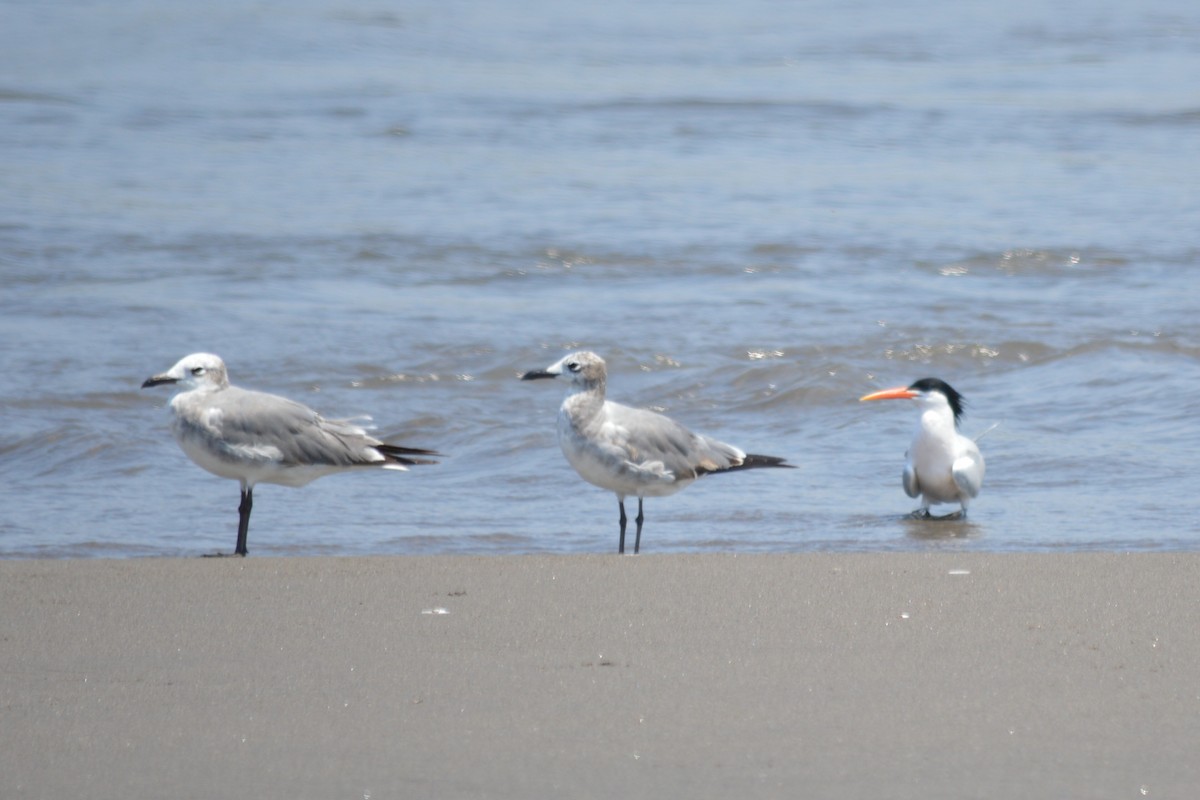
(632, 451)
(254, 437)
(942, 465)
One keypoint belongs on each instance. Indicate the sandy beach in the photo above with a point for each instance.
(862, 675)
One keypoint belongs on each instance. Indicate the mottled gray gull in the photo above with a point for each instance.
(632, 451)
(254, 437)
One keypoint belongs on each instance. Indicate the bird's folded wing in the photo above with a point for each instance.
(912, 487)
(968, 474)
(249, 422)
(659, 444)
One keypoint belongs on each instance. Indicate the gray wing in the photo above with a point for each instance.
(968, 471)
(648, 438)
(247, 423)
(911, 487)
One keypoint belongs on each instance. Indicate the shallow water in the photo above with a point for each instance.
(756, 213)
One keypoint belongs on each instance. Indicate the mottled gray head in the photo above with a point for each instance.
(585, 369)
(197, 371)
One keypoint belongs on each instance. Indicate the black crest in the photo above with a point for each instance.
(957, 403)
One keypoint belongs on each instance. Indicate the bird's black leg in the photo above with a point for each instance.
(244, 519)
(621, 544)
(243, 524)
(637, 543)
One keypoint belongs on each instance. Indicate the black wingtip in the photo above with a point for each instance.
(765, 461)
(406, 455)
(753, 461)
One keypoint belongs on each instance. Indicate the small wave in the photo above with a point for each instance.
(1029, 261)
(20, 96)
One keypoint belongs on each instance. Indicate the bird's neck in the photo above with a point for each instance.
(937, 422)
(583, 402)
(195, 393)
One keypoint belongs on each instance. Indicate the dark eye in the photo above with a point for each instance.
(197, 370)
(573, 366)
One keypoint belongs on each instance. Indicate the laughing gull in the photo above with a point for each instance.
(632, 451)
(254, 437)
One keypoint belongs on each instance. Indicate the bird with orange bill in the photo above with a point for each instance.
(942, 465)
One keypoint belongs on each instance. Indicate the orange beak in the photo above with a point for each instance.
(899, 393)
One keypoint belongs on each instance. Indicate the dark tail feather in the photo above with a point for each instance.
(749, 462)
(404, 455)
(753, 462)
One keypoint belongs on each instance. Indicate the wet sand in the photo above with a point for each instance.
(828, 675)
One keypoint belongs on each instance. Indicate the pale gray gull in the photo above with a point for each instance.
(254, 437)
(632, 451)
(941, 465)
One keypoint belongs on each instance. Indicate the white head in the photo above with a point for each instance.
(197, 371)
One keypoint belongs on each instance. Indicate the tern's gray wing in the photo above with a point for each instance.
(911, 487)
(646, 438)
(968, 471)
(254, 426)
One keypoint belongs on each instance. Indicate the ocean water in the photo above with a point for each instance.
(756, 212)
